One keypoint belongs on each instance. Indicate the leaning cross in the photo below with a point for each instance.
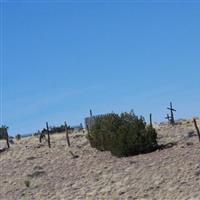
(172, 114)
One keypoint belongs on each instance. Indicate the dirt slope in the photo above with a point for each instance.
(80, 172)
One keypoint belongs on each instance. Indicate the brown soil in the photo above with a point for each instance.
(29, 170)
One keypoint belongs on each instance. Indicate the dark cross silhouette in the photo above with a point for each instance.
(90, 113)
(151, 124)
(172, 114)
(168, 117)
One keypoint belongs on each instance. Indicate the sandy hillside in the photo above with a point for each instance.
(171, 173)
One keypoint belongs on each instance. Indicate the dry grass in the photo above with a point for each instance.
(80, 172)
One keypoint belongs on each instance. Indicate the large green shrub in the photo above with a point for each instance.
(3, 132)
(123, 135)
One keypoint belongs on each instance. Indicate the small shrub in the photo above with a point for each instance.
(3, 132)
(27, 183)
(18, 137)
(73, 155)
(122, 135)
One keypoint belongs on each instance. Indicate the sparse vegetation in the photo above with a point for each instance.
(73, 155)
(4, 134)
(18, 137)
(123, 135)
(27, 183)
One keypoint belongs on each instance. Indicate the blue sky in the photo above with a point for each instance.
(59, 60)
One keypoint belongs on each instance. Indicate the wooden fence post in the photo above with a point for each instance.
(87, 127)
(195, 124)
(91, 113)
(40, 138)
(7, 139)
(49, 143)
(67, 134)
(42, 135)
(151, 120)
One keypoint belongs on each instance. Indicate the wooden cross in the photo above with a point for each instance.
(168, 117)
(172, 114)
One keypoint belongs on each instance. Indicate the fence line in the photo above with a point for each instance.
(90, 121)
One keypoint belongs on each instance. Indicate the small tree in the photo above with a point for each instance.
(4, 134)
(123, 135)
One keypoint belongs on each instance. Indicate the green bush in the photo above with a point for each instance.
(3, 132)
(122, 135)
(18, 137)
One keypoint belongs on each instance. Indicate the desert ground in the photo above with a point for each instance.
(29, 170)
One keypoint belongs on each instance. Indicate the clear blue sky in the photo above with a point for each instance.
(59, 60)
